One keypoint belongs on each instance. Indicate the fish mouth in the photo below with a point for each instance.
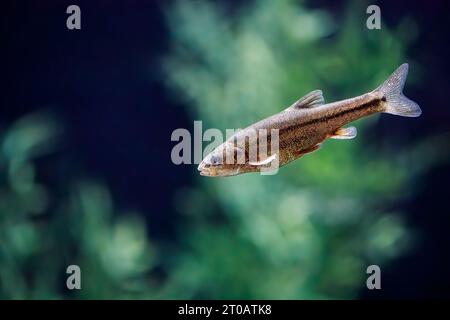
(211, 171)
(207, 173)
(204, 170)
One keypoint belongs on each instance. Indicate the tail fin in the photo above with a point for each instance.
(396, 102)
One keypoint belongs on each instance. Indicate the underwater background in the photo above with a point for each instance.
(86, 176)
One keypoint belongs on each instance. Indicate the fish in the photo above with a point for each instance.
(304, 126)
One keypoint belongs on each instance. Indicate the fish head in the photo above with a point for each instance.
(221, 162)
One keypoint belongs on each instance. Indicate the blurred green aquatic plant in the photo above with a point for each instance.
(311, 230)
(46, 228)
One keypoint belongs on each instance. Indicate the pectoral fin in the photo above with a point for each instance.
(264, 161)
(344, 133)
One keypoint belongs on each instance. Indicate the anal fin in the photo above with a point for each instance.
(344, 133)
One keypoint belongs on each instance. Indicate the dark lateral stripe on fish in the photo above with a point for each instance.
(371, 104)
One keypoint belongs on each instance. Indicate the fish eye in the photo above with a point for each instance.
(215, 160)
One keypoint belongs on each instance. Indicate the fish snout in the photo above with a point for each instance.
(204, 169)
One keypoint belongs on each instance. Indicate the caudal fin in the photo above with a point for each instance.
(396, 102)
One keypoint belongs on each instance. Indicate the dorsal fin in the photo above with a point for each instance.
(310, 100)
